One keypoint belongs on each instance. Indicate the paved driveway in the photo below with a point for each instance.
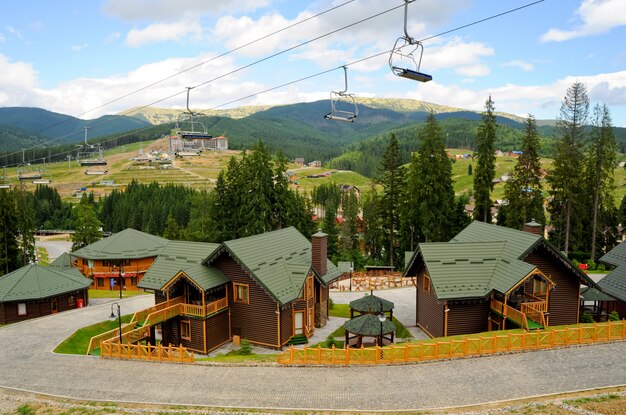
(26, 362)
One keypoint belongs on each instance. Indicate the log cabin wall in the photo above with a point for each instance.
(429, 311)
(217, 330)
(321, 304)
(286, 324)
(465, 317)
(42, 307)
(563, 302)
(256, 320)
(102, 272)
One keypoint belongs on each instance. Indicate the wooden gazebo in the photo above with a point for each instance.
(374, 319)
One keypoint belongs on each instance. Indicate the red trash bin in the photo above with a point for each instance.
(80, 303)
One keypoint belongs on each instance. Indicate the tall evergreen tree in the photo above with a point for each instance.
(433, 179)
(348, 232)
(329, 227)
(9, 248)
(373, 236)
(87, 227)
(601, 162)
(523, 190)
(486, 166)
(200, 227)
(26, 227)
(392, 180)
(566, 176)
(172, 230)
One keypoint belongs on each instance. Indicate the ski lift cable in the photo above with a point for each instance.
(386, 52)
(223, 75)
(235, 49)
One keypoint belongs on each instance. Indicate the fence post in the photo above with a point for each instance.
(466, 347)
(362, 352)
(610, 329)
(508, 341)
(319, 354)
(332, 355)
(566, 335)
(180, 352)
(495, 343)
(623, 328)
(169, 355)
(393, 355)
(376, 355)
(347, 356)
(595, 331)
(480, 345)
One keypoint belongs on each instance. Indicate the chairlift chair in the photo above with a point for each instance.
(404, 51)
(25, 172)
(4, 181)
(342, 105)
(189, 119)
(90, 154)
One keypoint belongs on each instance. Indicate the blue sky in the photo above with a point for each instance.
(73, 56)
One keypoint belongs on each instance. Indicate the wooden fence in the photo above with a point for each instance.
(146, 352)
(94, 343)
(457, 348)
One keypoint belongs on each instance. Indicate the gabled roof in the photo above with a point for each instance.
(64, 261)
(186, 257)
(280, 261)
(482, 258)
(127, 244)
(33, 282)
(615, 282)
(371, 304)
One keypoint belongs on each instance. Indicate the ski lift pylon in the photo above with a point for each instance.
(340, 101)
(405, 49)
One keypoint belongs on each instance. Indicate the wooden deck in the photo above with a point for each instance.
(532, 315)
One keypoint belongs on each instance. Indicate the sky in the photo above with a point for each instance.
(89, 58)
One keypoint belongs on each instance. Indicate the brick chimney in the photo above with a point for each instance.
(533, 227)
(319, 242)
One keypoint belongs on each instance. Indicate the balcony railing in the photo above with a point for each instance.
(509, 312)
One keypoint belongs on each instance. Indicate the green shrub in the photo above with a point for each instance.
(26, 410)
(586, 317)
(592, 264)
(601, 267)
(331, 304)
(614, 316)
(245, 349)
(329, 342)
(575, 263)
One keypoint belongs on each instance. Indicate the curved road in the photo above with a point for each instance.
(26, 362)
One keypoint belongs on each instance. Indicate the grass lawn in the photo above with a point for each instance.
(42, 256)
(78, 342)
(113, 293)
(234, 357)
(340, 310)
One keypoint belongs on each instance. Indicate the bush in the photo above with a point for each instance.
(331, 304)
(329, 342)
(614, 316)
(245, 349)
(601, 267)
(586, 317)
(592, 264)
(575, 263)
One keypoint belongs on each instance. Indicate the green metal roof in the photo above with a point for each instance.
(481, 258)
(471, 269)
(64, 261)
(593, 294)
(187, 257)
(368, 325)
(371, 304)
(615, 282)
(279, 260)
(33, 282)
(127, 244)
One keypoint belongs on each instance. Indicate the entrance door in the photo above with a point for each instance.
(54, 306)
(298, 322)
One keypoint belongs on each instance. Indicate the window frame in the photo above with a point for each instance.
(187, 324)
(71, 300)
(426, 285)
(25, 313)
(236, 297)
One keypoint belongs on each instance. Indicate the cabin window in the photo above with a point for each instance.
(133, 281)
(100, 282)
(21, 309)
(185, 329)
(426, 283)
(540, 287)
(71, 300)
(242, 294)
(310, 285)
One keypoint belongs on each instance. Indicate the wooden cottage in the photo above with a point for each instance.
(35, 291)
(122, 259)
(614, 284)
(268, 288)
(489, 277)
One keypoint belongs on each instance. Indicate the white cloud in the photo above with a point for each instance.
(17, 83)
(160, 32)
(79, 48)
(167, 10)
(597, 16)
(525, 66)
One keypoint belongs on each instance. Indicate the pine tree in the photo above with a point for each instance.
(329, 227)
(348, 233)
(9, 248)
(485, 167)
(373, 227)
(392, 181)
(433, 179)
(601, 162)
(566, 176)
(87, 227)
(26, 226)
(172, 230)
(524, 191)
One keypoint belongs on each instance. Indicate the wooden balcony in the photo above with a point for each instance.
(534, 311)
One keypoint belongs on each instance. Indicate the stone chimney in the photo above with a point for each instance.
(533, 227)
(319, 242)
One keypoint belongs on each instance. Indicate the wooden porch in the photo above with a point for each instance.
(530, 315)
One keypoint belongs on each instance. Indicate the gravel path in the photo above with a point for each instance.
(27, 363)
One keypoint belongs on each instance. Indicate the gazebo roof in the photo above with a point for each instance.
(371, 304)
(368, 325)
